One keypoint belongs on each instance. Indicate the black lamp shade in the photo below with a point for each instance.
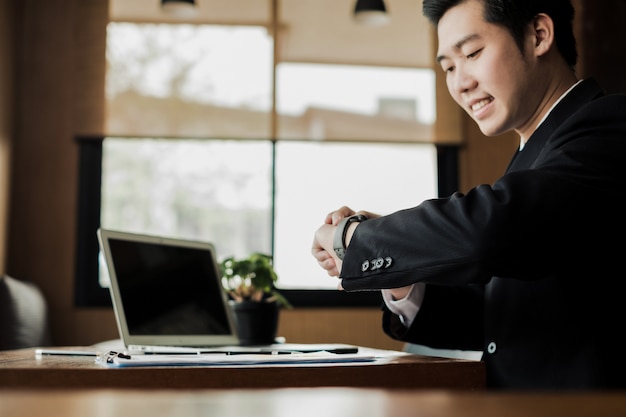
(177, 2)
(370, 5)
(179, 8)
(371, 12)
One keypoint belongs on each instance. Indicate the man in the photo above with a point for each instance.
(528, 269)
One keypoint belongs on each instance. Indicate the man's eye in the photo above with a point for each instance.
(474, 54)
(448, 69)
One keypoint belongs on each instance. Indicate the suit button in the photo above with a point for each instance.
(365, 265)
(491, 347)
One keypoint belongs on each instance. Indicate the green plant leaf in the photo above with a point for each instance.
(251, 278)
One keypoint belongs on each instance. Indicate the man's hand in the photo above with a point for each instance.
(322, 248)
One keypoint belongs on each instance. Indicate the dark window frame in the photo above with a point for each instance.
(88, 292)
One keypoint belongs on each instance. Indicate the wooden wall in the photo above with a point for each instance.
(7, 60)
(54, 101)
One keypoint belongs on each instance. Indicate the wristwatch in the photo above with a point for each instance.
(339, 241)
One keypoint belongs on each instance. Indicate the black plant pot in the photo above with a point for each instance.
(257, 322)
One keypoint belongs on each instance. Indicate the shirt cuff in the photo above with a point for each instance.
(408, 307)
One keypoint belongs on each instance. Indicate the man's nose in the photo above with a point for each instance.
(463, 81)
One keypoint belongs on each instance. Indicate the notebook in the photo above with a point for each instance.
(168, 298)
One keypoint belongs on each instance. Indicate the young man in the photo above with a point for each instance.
(528, 269)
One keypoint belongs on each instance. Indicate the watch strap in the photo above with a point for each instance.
(339, 240)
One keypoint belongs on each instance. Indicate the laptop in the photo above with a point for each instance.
(168, 298)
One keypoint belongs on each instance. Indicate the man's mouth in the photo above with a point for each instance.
(480, 104)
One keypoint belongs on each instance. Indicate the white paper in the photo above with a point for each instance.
(114, 360)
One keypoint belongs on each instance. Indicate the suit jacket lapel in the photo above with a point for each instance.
(582, 93)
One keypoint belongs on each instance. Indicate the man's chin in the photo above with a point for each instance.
(489, 130)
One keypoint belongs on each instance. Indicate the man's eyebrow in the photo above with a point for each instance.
(458, 45)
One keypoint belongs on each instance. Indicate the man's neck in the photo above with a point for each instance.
(558, 93)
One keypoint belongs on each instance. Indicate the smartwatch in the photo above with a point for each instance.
(339, 241)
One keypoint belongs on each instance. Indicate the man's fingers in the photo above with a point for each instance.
(335, 216)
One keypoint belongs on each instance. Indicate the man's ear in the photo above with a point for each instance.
(543, 33)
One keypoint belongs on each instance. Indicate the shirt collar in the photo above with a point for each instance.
(521, 144)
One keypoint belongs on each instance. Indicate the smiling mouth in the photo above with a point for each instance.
(480, 104)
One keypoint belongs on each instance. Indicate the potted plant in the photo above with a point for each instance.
(249, 283)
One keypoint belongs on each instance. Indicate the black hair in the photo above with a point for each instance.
(515, 15)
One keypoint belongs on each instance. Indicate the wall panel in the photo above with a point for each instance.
(7, 18)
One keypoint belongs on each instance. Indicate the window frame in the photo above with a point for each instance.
(89, 293)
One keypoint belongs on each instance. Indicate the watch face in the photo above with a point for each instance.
(339, 252)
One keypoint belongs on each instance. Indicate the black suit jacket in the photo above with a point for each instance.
(530, 269)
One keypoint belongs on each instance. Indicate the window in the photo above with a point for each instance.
(183, 80)
(245, 196)
(208, 138)
(224, 192)
(215, 190)
(314, 178)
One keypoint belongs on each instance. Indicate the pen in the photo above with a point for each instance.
(263, 352)
(61, 352)
(225, 352)
(338, 351)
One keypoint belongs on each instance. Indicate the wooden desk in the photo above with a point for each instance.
(307, 402)
(21, 369)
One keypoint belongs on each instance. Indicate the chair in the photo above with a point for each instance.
(23, 315)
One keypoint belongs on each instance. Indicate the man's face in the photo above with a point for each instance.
(486, 73)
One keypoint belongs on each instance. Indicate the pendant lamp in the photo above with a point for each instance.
(371, 13)
(179, 8)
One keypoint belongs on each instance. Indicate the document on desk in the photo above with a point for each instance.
(121, 360)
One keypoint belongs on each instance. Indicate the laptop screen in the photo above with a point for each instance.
(166, 291)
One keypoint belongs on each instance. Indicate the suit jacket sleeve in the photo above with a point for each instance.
(536, 219)
(450, 317)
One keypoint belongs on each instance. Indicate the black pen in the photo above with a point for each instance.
(262, 352)
(224, 352)
(62, 352)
